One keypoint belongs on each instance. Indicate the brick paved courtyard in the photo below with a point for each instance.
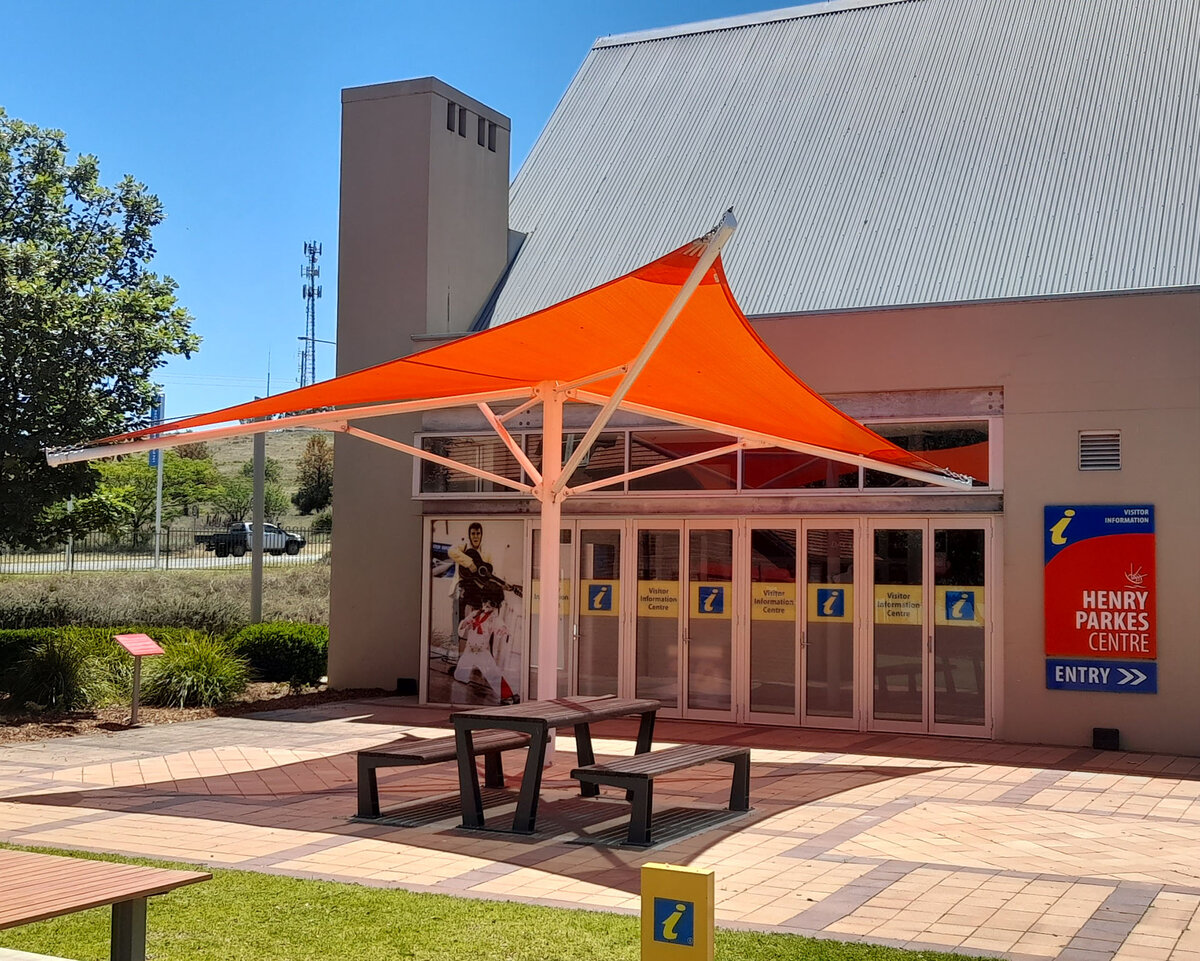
(1026, 852)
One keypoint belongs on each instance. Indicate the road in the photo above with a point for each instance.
(56, 563)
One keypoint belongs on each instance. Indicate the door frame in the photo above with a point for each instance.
(738, 648)
(799, 716)
(621, 526)
(928, 525)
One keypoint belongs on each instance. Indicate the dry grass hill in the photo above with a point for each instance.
(283, 446)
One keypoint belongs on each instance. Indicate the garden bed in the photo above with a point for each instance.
(257, 697)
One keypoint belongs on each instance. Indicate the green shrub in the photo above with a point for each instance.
(285, 651)
(56, 672)
(322, 523)
(14, 644)
(196, 671)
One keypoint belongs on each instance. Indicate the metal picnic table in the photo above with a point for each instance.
(34, 887)
(537, 719)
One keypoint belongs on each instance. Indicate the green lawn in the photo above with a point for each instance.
(261, 917)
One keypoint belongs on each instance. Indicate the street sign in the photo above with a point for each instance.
(1116, 677)
(157, 414)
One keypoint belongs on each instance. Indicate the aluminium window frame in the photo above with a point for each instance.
(995, 466)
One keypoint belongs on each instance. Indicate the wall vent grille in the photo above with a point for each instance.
(1099, 450)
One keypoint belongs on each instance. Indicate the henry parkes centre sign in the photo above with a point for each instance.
(1100, 598)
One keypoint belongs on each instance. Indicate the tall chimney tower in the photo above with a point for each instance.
(423, 240)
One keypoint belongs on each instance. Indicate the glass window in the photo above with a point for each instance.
(772, 468)
(605, 459)
(649, 448)
(961, 446)
(483, 452)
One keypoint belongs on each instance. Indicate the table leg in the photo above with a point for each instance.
(128, 931)
(468, 780)
(586, 756)
(368, 789)
(493, 769)
(531, 783)
(645, 733)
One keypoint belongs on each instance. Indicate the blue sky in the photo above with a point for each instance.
(230, 112)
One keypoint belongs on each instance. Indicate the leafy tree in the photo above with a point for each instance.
(234, 500)
(272, 472)
(83, 321)
(133, 481)
(314, 476)
(105, 511)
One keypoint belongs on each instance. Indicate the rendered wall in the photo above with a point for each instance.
(424, 221)
(1130, 363)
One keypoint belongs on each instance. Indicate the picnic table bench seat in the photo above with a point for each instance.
(636, 775)
(491, 744)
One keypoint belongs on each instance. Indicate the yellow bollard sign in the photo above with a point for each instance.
(677, 913)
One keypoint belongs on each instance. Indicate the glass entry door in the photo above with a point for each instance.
(929, 653)
(774, 637)
(597, 632)
(802, 625)
(683, 644)
(708, 625)
(538, 609)
(827, 641)
(658, 634)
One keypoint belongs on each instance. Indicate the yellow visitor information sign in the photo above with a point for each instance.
(898, 604)
(712, 600)
(773, 602)
(564, 597)
(958, 607)
(678, 913)
(658, 598)
(831, 603)
(599, 598)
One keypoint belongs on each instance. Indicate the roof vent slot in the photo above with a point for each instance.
(1099, 450)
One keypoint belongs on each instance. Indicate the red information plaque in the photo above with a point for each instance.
(138, 644)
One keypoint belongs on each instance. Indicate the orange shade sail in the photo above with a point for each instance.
(711, 370)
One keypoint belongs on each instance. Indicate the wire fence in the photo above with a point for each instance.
(168, 550)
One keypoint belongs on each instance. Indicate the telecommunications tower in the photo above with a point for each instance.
(311, 292)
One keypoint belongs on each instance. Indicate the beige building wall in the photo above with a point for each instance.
(1128, 363)
(423, 238)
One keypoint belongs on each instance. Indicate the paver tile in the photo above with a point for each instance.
(973, 846)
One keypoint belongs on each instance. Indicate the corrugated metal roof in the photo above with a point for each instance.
(923, 151)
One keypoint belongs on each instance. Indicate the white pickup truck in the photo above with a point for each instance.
(238, 540)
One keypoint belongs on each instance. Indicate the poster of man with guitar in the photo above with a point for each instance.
(479, 647)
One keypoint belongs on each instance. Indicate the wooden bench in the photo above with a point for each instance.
(491, 744)
(636, 775)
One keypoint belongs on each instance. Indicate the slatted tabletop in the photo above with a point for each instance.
(34, 887)
(563, 711)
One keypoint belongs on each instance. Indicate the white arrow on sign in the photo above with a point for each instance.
(1131, 677)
